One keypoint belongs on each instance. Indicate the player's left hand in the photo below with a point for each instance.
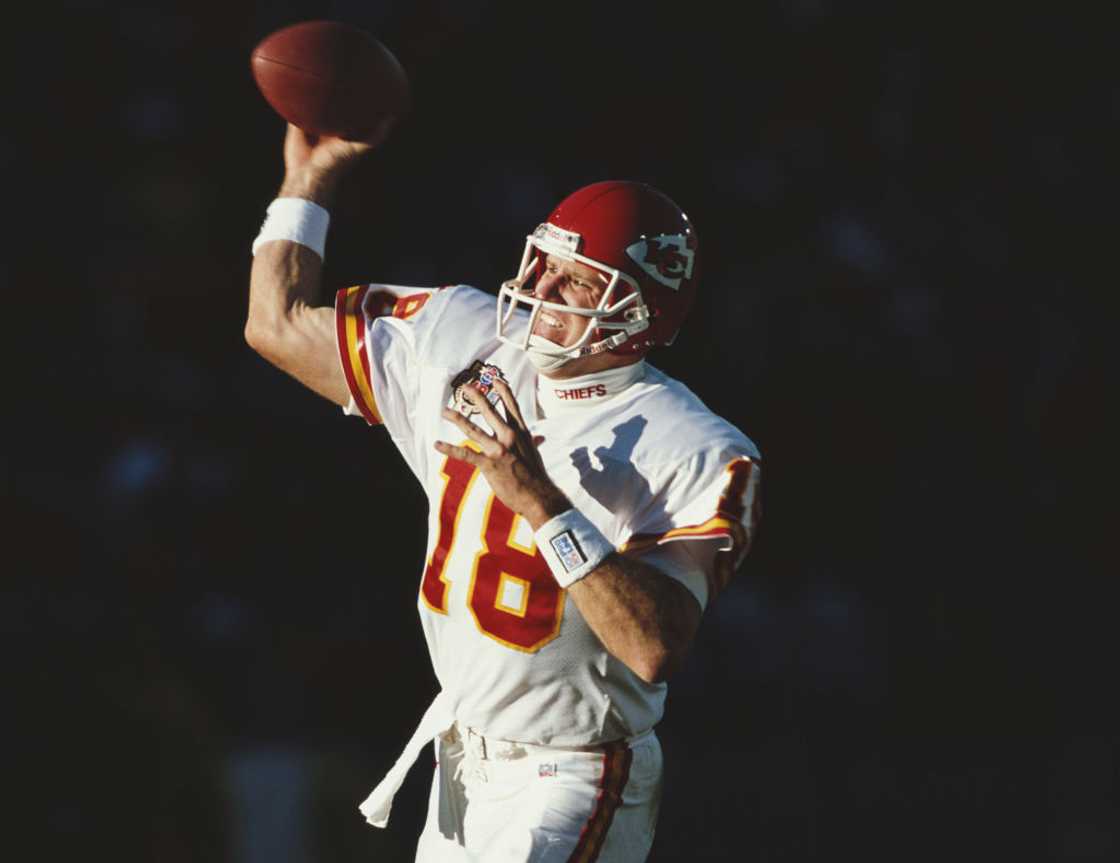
(508, 458)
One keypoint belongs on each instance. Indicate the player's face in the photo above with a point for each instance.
(571, 284)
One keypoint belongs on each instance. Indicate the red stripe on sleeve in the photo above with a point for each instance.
(350, 335)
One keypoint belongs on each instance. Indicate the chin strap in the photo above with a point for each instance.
(548, 356)
(545, 362)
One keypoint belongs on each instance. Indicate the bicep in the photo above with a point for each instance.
(304, 345)
(308, 350)
(285, 328)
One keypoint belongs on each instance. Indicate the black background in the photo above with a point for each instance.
(904, 213)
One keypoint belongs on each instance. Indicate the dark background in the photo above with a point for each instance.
(211, 649)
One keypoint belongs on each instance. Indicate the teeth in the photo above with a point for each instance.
(551, 320)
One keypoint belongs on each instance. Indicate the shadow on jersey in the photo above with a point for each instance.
(604, 482)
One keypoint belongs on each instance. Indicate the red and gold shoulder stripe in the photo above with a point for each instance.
(714, 527)
(350, 327)
(737, 512)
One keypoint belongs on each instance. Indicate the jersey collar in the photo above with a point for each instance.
(559, 396)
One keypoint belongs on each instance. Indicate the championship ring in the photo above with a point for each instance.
(480, 378)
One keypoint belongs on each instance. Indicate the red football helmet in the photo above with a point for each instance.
(646, 249)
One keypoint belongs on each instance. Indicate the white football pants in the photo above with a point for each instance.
(494, 801)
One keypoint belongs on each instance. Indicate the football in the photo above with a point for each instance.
(329, 78)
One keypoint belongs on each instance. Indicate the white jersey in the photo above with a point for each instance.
(647, 466)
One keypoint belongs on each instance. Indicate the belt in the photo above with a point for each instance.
(439, 720)
(496, 749)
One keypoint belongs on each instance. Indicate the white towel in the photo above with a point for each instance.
(437, 720)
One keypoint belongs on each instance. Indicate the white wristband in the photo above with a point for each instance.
(298, 220)
(572, 546)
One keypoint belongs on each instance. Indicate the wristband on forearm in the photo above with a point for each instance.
(572, 546)
(298, 220)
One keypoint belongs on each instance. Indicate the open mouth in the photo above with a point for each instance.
(549, 321)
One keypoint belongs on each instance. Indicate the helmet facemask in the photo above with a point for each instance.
(611, 323)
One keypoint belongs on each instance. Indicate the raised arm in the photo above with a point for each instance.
(285, 325)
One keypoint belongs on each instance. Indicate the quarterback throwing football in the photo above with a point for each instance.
(584, 507)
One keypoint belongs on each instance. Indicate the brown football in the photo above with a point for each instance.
(329, 78)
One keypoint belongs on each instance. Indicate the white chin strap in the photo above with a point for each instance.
(546, 355)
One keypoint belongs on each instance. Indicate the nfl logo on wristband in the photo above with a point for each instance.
(568, 550)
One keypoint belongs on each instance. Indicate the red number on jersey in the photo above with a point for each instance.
(513, 596)
(458, 479)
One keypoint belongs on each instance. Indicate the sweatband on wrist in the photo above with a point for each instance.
(298, 220)
(572, 546)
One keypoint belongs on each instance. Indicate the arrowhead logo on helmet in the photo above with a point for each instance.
(666, 257)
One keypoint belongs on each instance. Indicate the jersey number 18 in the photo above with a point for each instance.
(512, 596)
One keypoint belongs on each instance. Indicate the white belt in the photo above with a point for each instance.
(438, 718)
(495, 749)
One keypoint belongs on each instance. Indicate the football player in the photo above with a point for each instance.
(584, 506)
